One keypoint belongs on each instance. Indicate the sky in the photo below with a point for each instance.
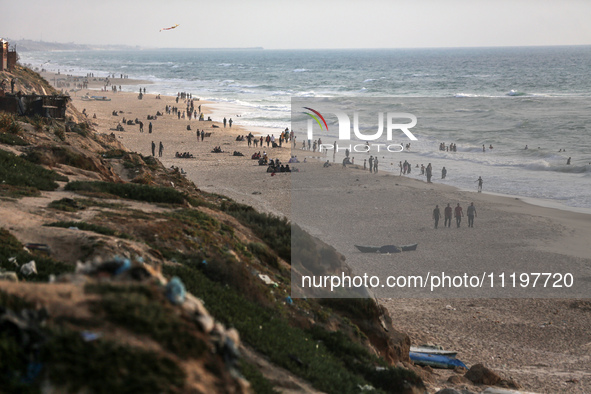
(300, 24)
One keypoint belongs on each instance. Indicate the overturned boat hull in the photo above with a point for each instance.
(386, 248)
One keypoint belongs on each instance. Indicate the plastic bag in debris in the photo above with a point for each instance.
(90, 336)
(175, 291)
(267, 280)
(29, 268)
(117, 267)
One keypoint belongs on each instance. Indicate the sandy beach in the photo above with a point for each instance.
(543, 343)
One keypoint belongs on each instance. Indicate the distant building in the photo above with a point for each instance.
(8, 57)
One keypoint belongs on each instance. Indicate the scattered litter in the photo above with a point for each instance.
(266, 279)
(206, 323)
(204, 262)
(13, 261)
(29, 268)
(118, 267)
(451, 308)
(175, 291)
(73, 228)
(123, 267)
(289, 300)
(9, 276)
(90, 336)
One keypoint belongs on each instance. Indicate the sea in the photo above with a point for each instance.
(505, 97)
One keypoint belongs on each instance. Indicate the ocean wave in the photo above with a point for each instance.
(467, 155)
(369, 80)
(515, 93)
(569, 169)
(473, 110)
(300, 70)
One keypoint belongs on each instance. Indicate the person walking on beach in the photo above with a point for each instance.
(202, 135)
(153, 149)
(370, 164)
(568, 162)
(150, 128)
(230, 122)
(224, 122)
(375, 165)
(459, 212)
(364, 164)
(479, 180)
(141, 127)
(160, 149)
(471, 212)
(443, 173)
(429, 172)
(436, 215)
(447, 212)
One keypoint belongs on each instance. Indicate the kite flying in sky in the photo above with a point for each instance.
(169, 28)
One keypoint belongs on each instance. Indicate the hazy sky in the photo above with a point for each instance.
(276, 24)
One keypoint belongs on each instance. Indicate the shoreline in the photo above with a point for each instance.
(504, 334)
(219, 108)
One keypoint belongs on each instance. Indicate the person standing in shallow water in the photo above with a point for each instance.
(471, 212)
(436, 215)
(479, 180)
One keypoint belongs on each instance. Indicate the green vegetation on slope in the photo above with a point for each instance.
(130, 191)
(17, 171)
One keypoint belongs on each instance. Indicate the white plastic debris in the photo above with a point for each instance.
(266, 279)
(29, 268)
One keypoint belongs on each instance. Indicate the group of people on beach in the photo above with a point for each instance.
(456, 212)
(160, 149)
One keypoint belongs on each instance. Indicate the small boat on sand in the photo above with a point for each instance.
(386, 248)
(436, 360)
(433, 350)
